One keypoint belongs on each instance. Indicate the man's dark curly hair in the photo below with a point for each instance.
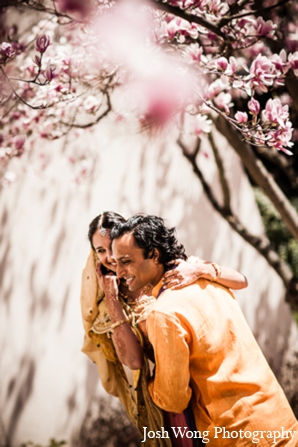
(149, 233)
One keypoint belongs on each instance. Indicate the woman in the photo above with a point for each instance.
(111, 315)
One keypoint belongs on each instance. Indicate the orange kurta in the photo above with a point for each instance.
(206, 354)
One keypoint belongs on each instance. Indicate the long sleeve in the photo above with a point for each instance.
(170, 388)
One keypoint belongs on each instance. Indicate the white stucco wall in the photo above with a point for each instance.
(46, 382)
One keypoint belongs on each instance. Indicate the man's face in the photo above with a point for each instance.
(132, 266)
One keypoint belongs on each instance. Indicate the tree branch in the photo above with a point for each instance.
(100, 117)
(261, 244)
(187, 16)
(221, 173)
(260, 175)
(255, 12)
(283, 163)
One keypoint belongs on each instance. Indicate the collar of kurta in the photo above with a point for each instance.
(158, 289)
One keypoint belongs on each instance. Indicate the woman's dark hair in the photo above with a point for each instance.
(105, 220)
(149, 233)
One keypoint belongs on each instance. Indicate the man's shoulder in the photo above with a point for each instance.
(198, 293)
(169, 299)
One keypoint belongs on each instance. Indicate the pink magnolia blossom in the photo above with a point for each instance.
(222, 64)
(277, 115)
(6, 52)
(264, 28)
(202, 125)
(42, 43)
(171, 29)
(275, 112)
(254, 106)
(281, 138)
(223, 101)
(261, 73)
(195, 52)
(280, 62)
(293, 59)
(233, 65)
(216, 87)
(241, 117)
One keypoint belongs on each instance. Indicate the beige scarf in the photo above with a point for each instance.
(99, 348)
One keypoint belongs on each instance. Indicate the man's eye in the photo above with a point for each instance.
(125, 262)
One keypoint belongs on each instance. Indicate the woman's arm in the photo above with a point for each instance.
(187, 272)
(127, 346)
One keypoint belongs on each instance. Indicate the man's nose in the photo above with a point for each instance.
(120, 271)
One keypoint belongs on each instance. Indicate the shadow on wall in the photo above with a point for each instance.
(19, 391)
(107, 425)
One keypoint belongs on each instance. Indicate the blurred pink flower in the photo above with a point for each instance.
(160, 98)
(135, 25)
(223, 101)
(18, 143)
(42, 43)
(37, 60)
(264, 28)
(49, 71)
(81, 7)
(157, 84)
(91, 104)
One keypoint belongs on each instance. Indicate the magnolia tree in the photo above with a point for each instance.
(202, 64)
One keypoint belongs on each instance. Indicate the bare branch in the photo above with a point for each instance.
(40, 107)
(255, 12)
(261, 244)
(283, 163)
(260, 175)
(100, 117)
(221, 173)
(187, 16)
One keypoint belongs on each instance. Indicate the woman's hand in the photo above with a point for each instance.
(187, 272)
(127, 346)
(108, 282)
(183, 274)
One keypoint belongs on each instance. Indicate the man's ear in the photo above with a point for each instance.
(155, 255)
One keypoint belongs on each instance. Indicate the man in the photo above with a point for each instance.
(205, 353)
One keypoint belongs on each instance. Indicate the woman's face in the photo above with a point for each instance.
(103, 249)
